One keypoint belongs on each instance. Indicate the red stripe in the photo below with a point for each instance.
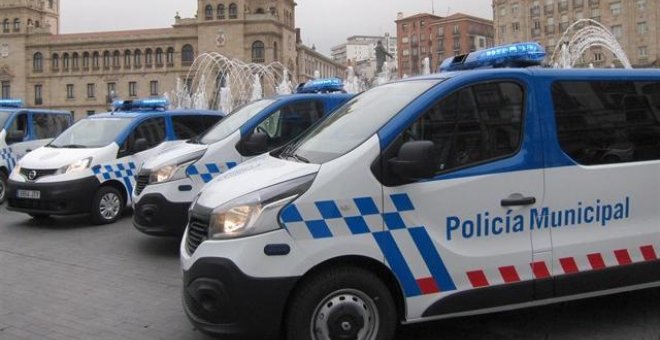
(596, 261)
(509, 274)
(540, 270)
(428, 286)
(568, 265)
(478, 278)
(648, 253)
(622, 256)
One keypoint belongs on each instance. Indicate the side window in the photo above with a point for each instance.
(152, 130)
(602, 122)
(19, 127)
(187, 127)
(290, 121)
(473, 125)
(46, 126)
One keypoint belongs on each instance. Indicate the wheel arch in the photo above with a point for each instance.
(119, 186)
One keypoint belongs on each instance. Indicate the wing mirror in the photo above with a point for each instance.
(414, 161)
(255, 144)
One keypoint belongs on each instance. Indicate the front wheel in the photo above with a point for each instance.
(3, 187)
(342, 303)
(107, 206)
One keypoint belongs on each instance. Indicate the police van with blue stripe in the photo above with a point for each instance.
(91, 167)
(168, 183)
(23, 130)
(454, 194)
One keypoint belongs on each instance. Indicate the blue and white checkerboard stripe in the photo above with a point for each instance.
(324, 219)
(9, 158)
(209, 171)
(124, 172)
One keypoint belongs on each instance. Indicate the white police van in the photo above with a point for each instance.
(23, 130)
(167, 184)
(455, 194)
(91, 167)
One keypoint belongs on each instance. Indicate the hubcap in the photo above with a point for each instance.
(345, 315)
(110, 205)
(2, 190)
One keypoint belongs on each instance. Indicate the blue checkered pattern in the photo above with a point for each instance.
(124, 172)
(9, 158)
(368, 219)
(208, 171)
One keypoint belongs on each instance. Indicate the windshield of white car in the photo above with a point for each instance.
(234, 121)
(91, 133)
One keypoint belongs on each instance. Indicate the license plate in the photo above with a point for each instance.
(29, 194)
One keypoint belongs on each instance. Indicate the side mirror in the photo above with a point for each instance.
(140, 145)
(15, 136)
(255, 144)
(414, 161)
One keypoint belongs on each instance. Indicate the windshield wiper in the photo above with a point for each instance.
(289, 153)
(73, 146)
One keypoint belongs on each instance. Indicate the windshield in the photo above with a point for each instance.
(91, 133)
(357, 120)
(234, 121)
(3, 118)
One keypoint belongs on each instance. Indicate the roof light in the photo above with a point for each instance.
(141, 104)
(513, 55)
(13, 103)
(326, 85)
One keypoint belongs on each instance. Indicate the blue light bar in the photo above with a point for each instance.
(326, 85)
(513, 55)
(12, 103)
(141, 104)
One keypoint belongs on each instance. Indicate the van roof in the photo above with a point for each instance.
(615, 73)
(146, 113)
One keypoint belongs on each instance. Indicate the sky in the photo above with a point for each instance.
(324, 23)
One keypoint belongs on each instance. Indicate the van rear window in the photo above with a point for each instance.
(601, 122)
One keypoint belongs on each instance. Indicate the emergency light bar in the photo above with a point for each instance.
(141, 104)
(13, 103)
(327, 85)
(513, 55)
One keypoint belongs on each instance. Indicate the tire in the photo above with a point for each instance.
(39, 216)
(342, 303)
(107, 206)
(3, 187)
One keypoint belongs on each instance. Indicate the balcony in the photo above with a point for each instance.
(535, 11)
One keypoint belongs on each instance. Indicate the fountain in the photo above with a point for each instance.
(352, 84)
(385, 76)
(571, 47)
(426, 66)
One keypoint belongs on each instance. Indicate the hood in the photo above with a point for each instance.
(174, 155)
(258, 173)
(52, 158)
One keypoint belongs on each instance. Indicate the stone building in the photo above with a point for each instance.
(634, 23)
(81, 72)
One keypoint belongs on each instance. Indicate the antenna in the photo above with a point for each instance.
(448, 10)
(433, 7)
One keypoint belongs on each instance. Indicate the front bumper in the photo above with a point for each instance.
(58, 198)
(155, 215)
(220, 299)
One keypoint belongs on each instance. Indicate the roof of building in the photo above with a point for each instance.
(419, 16)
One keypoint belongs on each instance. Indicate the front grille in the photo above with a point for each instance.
(44, 205)
(38, 173)
(197, 233)
(141, 182)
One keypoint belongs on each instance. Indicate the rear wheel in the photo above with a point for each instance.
(107, 205)
(342, 303)
(3, 187)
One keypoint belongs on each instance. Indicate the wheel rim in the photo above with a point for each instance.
(345, 314)
(109, 206)
(2, 190)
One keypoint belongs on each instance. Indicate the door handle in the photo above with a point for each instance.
(28, 150)
(518, 201)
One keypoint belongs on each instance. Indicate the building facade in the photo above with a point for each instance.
(359, 51)
(82, 72)
(634, 23)
(427, 35)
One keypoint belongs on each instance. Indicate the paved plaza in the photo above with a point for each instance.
(64, 279)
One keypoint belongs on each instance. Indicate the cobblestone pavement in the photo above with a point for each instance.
(64, 279)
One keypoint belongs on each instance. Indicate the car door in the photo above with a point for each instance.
(18, 138)
(464, 231)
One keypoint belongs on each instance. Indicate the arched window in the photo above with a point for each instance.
(159, 57)
(86, 60)
(148, 57)
(138, 58)
(36, 24)
(95, 60)
(56, 62)
(106, 59)
(50, 4)
(75, 60)
(187, 55)
(38, 62)
(169, 56)
(5, 26)
(275, 52)
(116, 59)
(233, 11)
(127, 59)
(258, 52)
(221, 11)
(208, 12)
(65, 61)
(17, 25)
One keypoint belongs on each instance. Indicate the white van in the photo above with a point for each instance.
(455, 194)
(91, 167)
(23, 130)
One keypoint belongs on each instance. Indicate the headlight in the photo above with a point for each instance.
(173, 172)
(75, 167)
(17, 170)
(257, 212)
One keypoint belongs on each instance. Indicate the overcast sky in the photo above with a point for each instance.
(324, 23)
